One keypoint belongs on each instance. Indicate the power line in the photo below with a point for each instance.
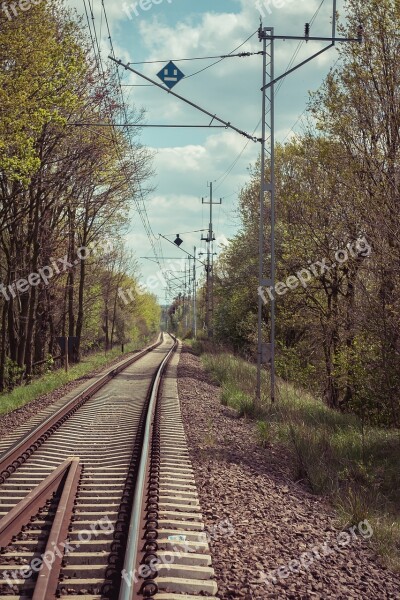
(214, 117)
(96, 41)
(90, 33)
(141, 207)
(233, 165)
(317, 12)
(97, 56)
(221, 59)
(95, 46)
(303, 113)
(292, 128)
(222, 56)
(139, 125)
(144, 216)
(299, 46)
(291, 62)
(185, 232)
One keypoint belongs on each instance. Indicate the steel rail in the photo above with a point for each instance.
(24, 448)
(47, 582)
(21, 514)
(127, 590)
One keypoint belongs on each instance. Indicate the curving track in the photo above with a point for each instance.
(126, 504)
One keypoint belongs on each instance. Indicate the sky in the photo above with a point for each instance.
(185, 160)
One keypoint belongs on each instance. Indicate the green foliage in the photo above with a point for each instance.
(232, 396)
(138, 315)
(264, 433)
(42, 56)
(292, 365)
(14, 373)
(235, 316)
(197, 347)
(45, 367)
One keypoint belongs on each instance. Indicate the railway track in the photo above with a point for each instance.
(98, 500)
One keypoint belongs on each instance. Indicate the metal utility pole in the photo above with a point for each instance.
(266, 351)
(209, 266)
(267, 152)
(187, 292)
(194, 296)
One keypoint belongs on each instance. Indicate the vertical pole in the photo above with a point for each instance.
(212, 283)
(194, 295)
(189, 287)
(187, 292)
(183, 306)
(334, 22)
(261, 224)
(272, 179)
(267, 34)
(209, 266)
(208, 269)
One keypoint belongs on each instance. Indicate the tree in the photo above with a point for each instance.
(64, 190)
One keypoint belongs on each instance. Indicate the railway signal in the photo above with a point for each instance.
(178, 241)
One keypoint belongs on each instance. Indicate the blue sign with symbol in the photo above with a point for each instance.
(170, 75)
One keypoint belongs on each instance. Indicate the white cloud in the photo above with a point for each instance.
(190, 167)
(181, 160)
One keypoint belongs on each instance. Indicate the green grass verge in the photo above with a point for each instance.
(357, 466)
(51, 381)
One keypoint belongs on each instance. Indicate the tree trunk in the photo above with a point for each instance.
(3, 345)
(79, 320)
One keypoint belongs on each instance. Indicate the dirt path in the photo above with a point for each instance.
(261, 521)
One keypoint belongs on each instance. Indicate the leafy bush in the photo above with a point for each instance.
(13, 374)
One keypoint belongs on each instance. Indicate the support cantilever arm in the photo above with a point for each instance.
(297, 66)
(214, 117)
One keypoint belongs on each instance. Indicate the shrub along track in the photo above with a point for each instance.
(117, 507)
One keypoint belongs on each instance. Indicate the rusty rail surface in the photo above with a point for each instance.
(12, 524)
(24, 448)
(47, 582)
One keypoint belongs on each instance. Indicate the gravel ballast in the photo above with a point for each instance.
(269, 537)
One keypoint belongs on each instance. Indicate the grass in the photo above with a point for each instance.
(333, 453)
(51, 381)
